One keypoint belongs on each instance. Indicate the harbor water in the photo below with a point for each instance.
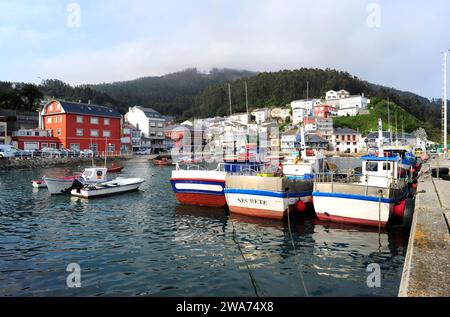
(144, 243)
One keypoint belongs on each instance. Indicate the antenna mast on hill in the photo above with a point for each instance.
(389, 122)
(246, 97)
(229, 97)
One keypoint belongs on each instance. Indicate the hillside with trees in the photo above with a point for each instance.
(193, 94)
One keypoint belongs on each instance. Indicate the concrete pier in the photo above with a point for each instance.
(426, 272)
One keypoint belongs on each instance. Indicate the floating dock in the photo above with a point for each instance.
(426, 272)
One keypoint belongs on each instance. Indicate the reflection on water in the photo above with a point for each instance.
(144, 243)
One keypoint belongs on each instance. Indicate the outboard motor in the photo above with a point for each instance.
(77, 184)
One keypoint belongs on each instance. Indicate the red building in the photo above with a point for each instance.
(324, 111)
(83, 126)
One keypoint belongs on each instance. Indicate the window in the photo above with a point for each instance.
(354, 143)
(60, 119)
(126, 131)
(58, 131)
(354, 137)
(93, 147)
(79, 132)
(106, 133)
(106, 121)
(152, 124)
(79, 119)
(50, 108)
(94, 132)
(372, 166)
(111, 147)
(44, 145)
(55, 119)
(53, 145)
(160, 125)
(58, 106)
(49, 119)
(160, 134)
(94, 120)
(386, 166)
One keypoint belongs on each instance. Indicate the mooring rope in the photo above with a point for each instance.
(299, 269)
(255, 284)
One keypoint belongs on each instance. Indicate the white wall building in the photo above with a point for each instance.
(332, 94)
(242, 118)
(150, 123)
(346, 104)
(303, 108)
(281, 113)
(346, 140)
(261, 115)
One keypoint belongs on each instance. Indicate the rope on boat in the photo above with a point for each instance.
(379, 218)
(299, 269)
(255, 284)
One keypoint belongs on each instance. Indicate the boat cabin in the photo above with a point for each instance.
(95, 174)
(380, 171)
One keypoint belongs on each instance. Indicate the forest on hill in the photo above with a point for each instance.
(192, 94)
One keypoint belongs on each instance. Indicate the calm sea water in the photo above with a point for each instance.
(144, 244)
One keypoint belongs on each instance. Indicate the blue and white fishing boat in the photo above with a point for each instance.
(376, 197)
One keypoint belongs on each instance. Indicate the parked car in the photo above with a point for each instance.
(22, 153)
(143, 152)
(87, 153)
(50, 151)
(7, 151)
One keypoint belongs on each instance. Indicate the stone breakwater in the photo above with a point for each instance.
(8, 164)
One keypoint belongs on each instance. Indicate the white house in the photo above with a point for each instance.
(302, 109)
(242, 118)
(261, 115)
(150, 123)
(288, 141)
(280, 113)
(346, 140)
(332, 94)
(346, 104)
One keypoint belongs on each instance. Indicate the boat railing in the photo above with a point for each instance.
(358, 179)
(190, 167)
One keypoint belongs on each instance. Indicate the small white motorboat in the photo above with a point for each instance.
(38, 183)
(119, 185)
(93, 183)
(63, 185)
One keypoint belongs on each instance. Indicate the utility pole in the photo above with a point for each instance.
(307, 90)
(444, 107)
(229, 97)
(246, 97)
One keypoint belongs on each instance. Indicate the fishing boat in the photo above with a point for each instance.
(275, 195)
(38, 183)
(376, 197)
(93, 183)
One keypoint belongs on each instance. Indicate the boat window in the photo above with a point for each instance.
(99, 173)
(372, 166)
(386, 166)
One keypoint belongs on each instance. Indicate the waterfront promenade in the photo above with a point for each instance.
(426, 270)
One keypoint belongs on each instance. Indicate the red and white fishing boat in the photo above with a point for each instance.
(196, 186)
(38, 183)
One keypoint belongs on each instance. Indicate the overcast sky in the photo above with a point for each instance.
(394, 43)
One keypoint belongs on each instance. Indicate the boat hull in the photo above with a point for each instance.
(58, 186)
(264, 204)
(352, 209)
(203, 188)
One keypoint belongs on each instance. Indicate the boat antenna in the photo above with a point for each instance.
(106, 149)
(92, 155)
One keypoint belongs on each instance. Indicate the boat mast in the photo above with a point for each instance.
(380, 138)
